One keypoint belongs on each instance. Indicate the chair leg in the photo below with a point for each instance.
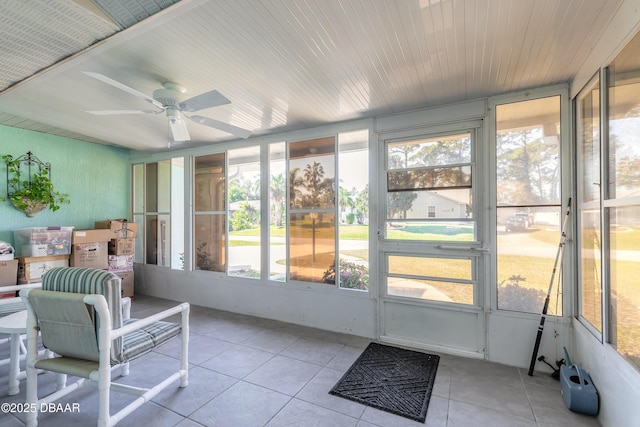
(124, 369)
(32, 376)
(23, 348)
(184, 362)
(61, 381)
(14, 364)
(104, 386)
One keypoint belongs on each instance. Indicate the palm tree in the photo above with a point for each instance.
(313, 175)
(362, 204)
(295, 182)
(346, 199)
(278, 188)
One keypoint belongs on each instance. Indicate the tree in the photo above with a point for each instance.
(295, 185)
(346, 199)
(627, 172)
(244, 218)
(362, 204)
(243, 188)
(278, 189)
(313, 176)
(528, 168)
(399, 202)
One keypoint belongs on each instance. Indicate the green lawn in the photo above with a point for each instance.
(355, 232)
(625, 239)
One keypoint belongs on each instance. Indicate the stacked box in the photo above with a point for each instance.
(8, 276)
(127, 285)
(122, 245)
(31, 269)
(90, 249)
(42, 241)
(120, 263)
(120, 228)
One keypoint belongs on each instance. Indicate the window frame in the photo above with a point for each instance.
(609, 202)
(470, 127)
(567, 177)
(595, 83)
(363, 127)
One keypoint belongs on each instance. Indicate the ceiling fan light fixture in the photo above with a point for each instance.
(177, 125)
(170, 96)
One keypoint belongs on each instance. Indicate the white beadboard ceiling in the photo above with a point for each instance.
(283, 64)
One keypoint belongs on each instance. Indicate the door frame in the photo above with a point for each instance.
(395, 313)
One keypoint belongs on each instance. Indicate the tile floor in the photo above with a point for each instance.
(253, 372)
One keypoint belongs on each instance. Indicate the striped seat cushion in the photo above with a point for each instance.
(91, 281)
(11, 306)
(145, 339)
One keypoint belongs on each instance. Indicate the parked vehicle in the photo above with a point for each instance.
(517, 223)
(527, 216)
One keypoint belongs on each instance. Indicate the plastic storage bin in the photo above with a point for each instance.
(42, 241)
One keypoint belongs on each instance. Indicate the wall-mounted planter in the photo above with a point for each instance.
(36, 192)
(29, 207)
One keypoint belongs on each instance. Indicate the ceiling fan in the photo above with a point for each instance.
(169, 100)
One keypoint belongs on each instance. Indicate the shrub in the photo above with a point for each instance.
(512, 296)
(352, 275)
(244, 218)
(203, 259)
(351, 218)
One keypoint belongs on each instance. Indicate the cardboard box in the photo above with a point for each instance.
(116, 226)
(31, 269)
(122, 246)
(32, 241)
(91, 236)
(120, 262)
(90, 255)
(9, 272)
(8, 276)
(127, 286)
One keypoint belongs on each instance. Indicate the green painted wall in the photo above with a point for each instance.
(96, 177)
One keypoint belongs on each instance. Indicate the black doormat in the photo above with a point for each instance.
(391, 379)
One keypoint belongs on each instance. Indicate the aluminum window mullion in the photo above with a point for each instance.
(604, 210)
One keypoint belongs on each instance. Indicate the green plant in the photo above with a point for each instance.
(352, 275)
(513, 296)
(34, 193)
(351, 218)
(246, 217)
(203, 258)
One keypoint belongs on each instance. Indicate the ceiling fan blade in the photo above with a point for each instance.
(179, 129)
(226, 127)
(123, 87)
(114, 112)
(209, 99)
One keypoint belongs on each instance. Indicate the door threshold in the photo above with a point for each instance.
(403, 342)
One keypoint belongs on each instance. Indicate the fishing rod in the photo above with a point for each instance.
(563, 238)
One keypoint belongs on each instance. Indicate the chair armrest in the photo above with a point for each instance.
(126, 308)
(182, 308)
(20, 287)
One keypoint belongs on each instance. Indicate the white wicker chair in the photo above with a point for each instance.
(79, 315)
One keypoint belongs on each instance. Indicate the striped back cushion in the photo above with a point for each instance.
(90, 281)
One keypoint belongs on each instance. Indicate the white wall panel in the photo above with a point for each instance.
(329, 309)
